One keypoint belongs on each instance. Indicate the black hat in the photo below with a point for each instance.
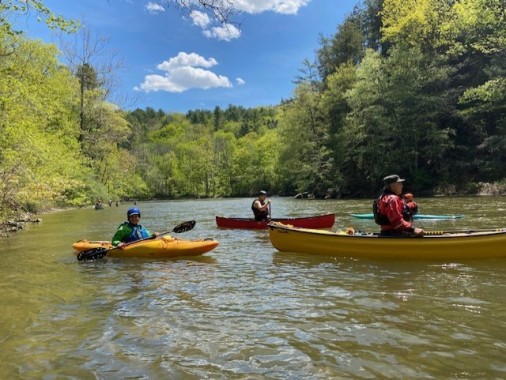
(392, 179)
(262, 192)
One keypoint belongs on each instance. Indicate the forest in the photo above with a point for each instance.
(413, 87)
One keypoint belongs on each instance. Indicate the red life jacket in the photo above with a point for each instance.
(391, 214)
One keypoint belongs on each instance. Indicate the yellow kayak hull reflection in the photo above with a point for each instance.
(165, 246)
(444, 246)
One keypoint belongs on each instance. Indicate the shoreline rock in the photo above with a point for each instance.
(17, 224)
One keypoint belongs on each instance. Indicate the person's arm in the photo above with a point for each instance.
(395, 216)
(259, 206)
(394, 213)
(121, 234)
(153, 235)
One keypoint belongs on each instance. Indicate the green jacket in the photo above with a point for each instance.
(128, 233)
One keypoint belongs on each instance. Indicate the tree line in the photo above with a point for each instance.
(413, 87)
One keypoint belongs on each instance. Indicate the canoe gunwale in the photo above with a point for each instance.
(278, 219)
(312, 221)
(439, 235)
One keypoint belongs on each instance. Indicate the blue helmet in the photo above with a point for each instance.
(133, 211)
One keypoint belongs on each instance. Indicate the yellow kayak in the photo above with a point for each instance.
(165, 246)
(461, 245)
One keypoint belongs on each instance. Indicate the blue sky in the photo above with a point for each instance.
(177, 62)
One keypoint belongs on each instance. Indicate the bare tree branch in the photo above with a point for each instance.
(83, 48)
(222, 11)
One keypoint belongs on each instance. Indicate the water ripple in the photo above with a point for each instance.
(245, 311)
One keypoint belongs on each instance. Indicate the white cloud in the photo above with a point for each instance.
(184, 72)
(226, 32)
(154, 8)
(200, 19)
(185, 59)
(277, 6)
(240, 81)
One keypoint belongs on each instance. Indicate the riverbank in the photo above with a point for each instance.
(16, 224)
(18, 221)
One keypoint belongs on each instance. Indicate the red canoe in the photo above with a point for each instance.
(317, 221)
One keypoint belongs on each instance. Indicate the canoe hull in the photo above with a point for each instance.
(448, 246)
(317, 221)
(156, 248)
(416, 217)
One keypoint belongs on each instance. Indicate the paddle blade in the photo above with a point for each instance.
(183, 227)
(92, 254)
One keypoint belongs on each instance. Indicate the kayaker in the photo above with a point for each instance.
(388, 210)
(131, 231)
(260, 206)
(410, 207)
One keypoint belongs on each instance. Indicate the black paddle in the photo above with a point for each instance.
(98, 253)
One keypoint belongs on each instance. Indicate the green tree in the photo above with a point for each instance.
(40, 160)
(10, 8)
(336, 110)
(254, 164)
(305, 160)
(224, 150)
(346, 46)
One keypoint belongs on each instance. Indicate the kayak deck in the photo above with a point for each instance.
(165, 246)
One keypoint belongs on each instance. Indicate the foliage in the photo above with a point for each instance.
(40, 159)
(412, 87)
(9, 8)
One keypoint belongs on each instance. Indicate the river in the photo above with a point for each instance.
(244, 310)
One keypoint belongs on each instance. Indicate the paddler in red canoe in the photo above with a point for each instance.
(261, 206)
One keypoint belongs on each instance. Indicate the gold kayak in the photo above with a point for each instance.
(165, 246)
(457, 245)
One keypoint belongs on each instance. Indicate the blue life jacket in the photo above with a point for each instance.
(138, 233)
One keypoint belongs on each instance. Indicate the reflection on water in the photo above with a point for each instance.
(245, 310)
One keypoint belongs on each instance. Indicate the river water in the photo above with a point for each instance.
(244, 310)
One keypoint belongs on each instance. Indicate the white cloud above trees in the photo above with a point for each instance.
(277, 6)
(184, 72)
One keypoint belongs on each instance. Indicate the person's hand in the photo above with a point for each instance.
(419, 232)
(121, 245)
(155, 235)
(268, 201)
